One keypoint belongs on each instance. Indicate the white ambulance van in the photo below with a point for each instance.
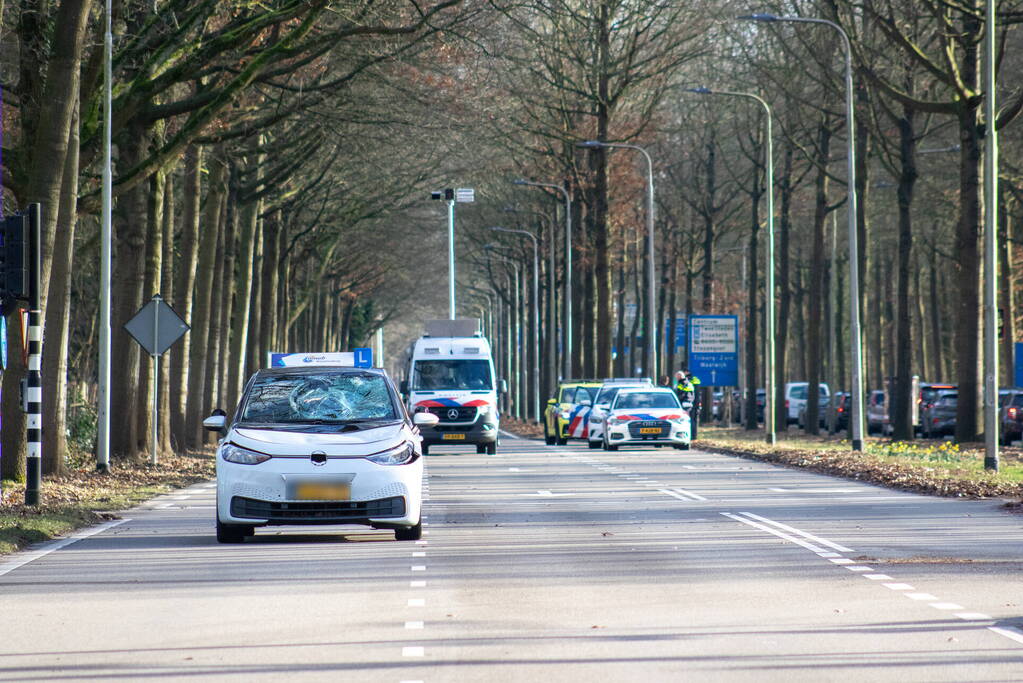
(450, 373)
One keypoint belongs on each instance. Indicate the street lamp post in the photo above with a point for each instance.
(567, 359)
(769, 382)
(855, 345)
(536, 316)
(651, 325)
(450, 196)
(514, 329)
(991, 425)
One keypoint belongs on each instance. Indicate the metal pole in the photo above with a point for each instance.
(154, 434)
(518, 346)
(103, 409)
(380, 346)
(651, 324)
(451, 258)
(33, 389)
(856, 343)
(833, 333)
(990, 246)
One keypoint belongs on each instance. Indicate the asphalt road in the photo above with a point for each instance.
(542, 564)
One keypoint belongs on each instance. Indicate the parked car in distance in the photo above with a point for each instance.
(796, 395)
(841, 399)
(1010, 410)
(822, 413)
(929, 391)
(877, 414)
(941, 416)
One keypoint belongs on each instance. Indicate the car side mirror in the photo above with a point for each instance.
(216, 421)
(425, 419)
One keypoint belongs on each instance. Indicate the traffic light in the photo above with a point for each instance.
(14, 258)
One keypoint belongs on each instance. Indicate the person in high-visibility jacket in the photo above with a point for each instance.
(685, 387)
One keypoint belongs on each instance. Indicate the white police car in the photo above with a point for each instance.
(608, 390)
(319, 444)
(650, 416)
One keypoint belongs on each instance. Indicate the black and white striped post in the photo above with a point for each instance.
(34, 389)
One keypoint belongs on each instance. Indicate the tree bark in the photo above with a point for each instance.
(899, 405)
(785, 287)
(184, 288)
(816, 285)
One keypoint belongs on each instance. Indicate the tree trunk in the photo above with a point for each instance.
(211, 396)
(253, 343)
(750, 410)
(268, 286)
(785, 287)
(243, 294)
(167, 291)
(816, 285)
(1005, 303)
(201, 305)
(148, 370)
(184, 288)
(899, 405)
(57, 312)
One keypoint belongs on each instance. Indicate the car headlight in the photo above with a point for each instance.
(618, 420)
(242, 456)
(401, 454)
(484, 409)
(680, 420)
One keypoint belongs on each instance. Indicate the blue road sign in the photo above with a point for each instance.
(363, 357)
(714, 349)
(1019, 364)
(680, 330)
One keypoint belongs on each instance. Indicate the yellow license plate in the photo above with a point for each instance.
(454, 437)
(649, 430)
(320, 491)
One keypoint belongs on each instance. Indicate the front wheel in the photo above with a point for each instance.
(547, 438)
(409, 533)
(426, 449)
(491, 448)
(562, 440)
(232, 533)
(683, 446)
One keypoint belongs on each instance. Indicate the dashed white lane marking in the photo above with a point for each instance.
(808, 536)
(973, 616)
(417, 584)
(419, 567)
(421, 542)
(514, 469)
(904, 587)
(23, 558)
(419, 554)
(417, 602)
(413, 651)
(841, 560)
(946, 605)
(546, 494)
(879, 577)
(922, 596)
(418, 681)
(859, 568)
(1010, 632)
(413, 624)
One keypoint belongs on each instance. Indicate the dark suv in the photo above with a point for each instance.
(1010, 410)
(941, 415)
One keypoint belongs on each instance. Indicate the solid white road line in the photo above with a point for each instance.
(808, 536)
(1009, 632)
(23, 558)
(973, 616)
(775, 532)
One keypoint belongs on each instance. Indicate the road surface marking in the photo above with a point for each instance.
(879, 577)
(417, 584)
(23, 558)
(921, 596)
(419, 567)
(973, 616)
(841, 560)
(419, 554)
(905, 587)
(514, 469)
(414, 651)
(695, 496)
(775, 532)
(808, 536)
(413, 624)
(421, 542)
(675, 495)
(946, 605)
(1010, 632)
(859, 568)
(828, 555)
(417, 602)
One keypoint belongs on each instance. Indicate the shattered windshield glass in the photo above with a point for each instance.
(437, 375)
(318, 397)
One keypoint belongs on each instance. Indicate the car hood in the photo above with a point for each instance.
(649, 414)
(278, 442)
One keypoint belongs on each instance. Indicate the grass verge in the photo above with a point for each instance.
(934, 467)
(84, 496)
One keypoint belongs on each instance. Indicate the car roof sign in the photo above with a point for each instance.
(345, 359)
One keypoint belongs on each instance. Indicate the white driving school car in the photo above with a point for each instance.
(319, 444)
(646, 416)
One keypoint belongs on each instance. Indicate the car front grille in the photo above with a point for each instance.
(460, 414)
(321, 512)
(635, 427)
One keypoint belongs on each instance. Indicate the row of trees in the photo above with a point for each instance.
(273, 163)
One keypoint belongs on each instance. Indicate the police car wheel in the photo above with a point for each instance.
(491, 448)
(547, 438)
(426, 449)
(561, 441)
(481, 448)
(231, 533)
(409, 533)
(683, 447)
